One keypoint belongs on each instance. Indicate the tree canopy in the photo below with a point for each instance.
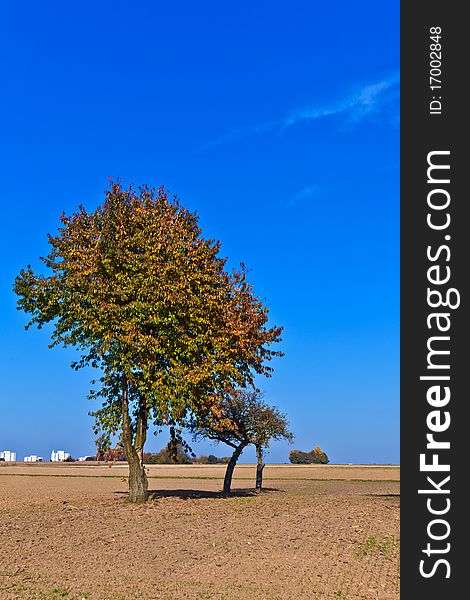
(243, 418)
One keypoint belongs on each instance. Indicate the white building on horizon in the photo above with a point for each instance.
(33, 458)
(59, 456)
(8, 456)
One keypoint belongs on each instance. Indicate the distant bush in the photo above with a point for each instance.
(211, 460)
(156, 458)
(315, 456)
(110, 455)
(69, 459)
(167, 456)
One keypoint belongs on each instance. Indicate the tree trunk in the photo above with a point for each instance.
(230, 468)
(259, 469)
(138, 483)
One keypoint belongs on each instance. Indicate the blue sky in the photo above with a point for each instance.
(279, 123)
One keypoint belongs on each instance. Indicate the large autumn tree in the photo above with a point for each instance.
(145, 298)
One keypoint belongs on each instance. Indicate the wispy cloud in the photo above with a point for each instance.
(304, 194)
(241, 133)
(368, 100)
(355, 107)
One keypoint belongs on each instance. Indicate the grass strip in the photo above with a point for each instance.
(198, 477)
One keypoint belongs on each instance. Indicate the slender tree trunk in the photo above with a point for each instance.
(259, 469)
(230, 468)
(138, 483)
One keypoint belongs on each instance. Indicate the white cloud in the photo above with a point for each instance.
(353, 108)
(307, 192)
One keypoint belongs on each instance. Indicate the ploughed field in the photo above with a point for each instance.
(323, 531)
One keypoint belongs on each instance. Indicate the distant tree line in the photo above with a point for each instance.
(165, 456)
(211, 460)
(182, 457)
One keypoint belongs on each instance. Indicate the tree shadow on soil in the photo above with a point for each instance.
(199, 494)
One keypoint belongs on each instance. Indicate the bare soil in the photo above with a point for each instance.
(330, 532)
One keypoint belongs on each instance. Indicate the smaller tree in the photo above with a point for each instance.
(271, 425)
(315, 456)
(243, 419)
